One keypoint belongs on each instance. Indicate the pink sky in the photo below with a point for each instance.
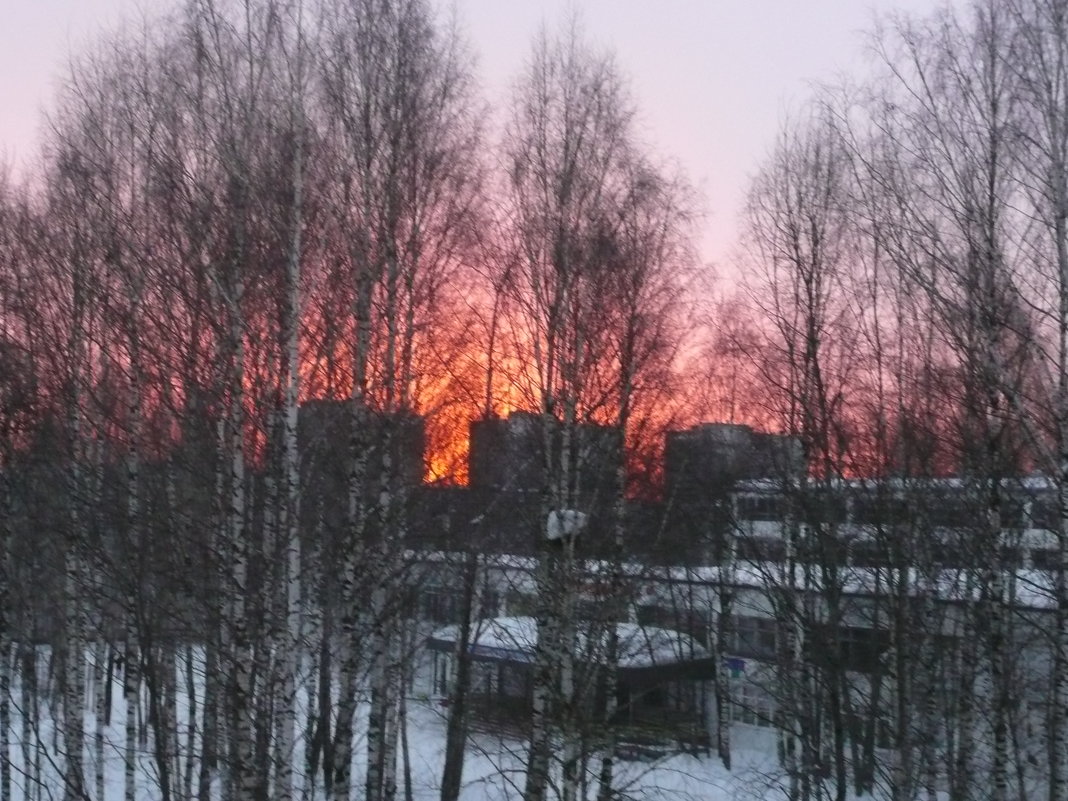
(712, 78)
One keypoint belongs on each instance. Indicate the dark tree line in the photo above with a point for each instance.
(241, 208)
(272, 247)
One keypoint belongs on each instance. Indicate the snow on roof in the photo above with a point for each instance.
(1035, 482)
(514, 638)
(1028, 588)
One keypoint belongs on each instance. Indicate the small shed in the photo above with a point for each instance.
(662, 683)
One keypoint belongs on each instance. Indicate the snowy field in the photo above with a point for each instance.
(492, 771)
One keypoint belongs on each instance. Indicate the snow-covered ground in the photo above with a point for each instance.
(492, 771)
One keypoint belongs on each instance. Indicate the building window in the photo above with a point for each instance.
(858, 648)
(760, 507)
(442, 663)
(1044, 558)
(950, 512)
(881, 511)
(521, 605)
(438, 605)
(513, 681)
(684, 696)
(1014, 513)
(491, 603)
(484, 678)
(590, 610)
(692, 622)
(752, 704)
(1044, 514)
(753, 636)
(760, 549)
(824, 507)
(865, 553)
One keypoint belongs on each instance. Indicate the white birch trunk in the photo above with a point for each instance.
(242, 728)
(616, 597)
(723, 633)
(192, 728)
(210, 731)
(1058, 717)
(349, 667)
(348, 678)
(131, 695)
(381, 697)
(291, 465)
(394, 682)
(74, 645)
(100, 655)
(169, 723)
(6, 655)
(931, 730)
(8, 652)
(545, 669)
(74, 640)
(999, 678)
(74, 681)
(132, 665)
(30, 717)
(269, 617)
